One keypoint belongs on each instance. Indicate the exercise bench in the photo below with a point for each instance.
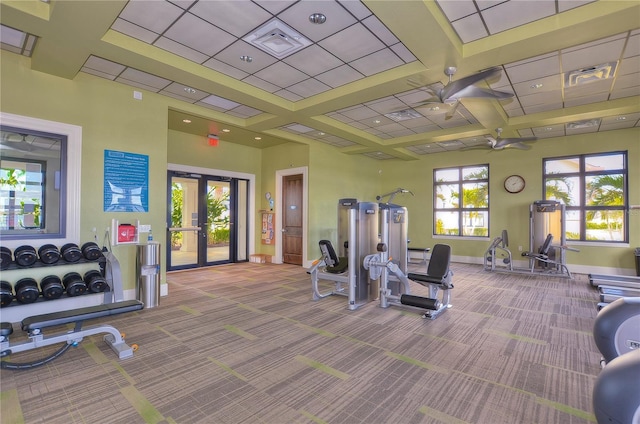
(35, 325)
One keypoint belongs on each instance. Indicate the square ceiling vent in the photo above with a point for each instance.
(403, 115)
(277, 39)
(590, 74)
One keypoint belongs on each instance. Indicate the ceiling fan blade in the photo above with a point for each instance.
(453, 88)
(518, 146)
(508, 141)
(478, 92)
(429, 101)
(476, 148)
(452, 111)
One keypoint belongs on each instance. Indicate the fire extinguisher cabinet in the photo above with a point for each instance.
(148, 274)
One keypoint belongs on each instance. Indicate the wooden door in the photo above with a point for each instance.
(292, 219)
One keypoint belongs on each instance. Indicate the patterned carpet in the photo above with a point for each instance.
(245, 343)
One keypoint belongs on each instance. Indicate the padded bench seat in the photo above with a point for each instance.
(80, 314)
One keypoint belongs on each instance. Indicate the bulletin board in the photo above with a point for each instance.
(267, 229)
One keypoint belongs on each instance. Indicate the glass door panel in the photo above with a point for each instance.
(218, 221)
(184, 229)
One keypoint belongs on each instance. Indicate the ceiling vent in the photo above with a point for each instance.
(590, 74)
(403, 115)
(277, 39)
(588, 123)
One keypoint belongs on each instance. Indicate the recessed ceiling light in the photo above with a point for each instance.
(189, 90)
(226, 130)
(549, 128)
(621, 118)
(320, 133)
(258, 138)
(538, 85)
(435, 108)
(247, 59)
(317, 18)
(377, 121)
(186, 121)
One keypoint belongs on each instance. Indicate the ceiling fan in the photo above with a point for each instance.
(461, 89)
(499, 143)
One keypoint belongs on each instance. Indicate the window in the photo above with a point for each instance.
(461, 201)
(594, 190)
(39, 181)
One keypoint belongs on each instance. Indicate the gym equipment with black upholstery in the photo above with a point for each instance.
(35, 326)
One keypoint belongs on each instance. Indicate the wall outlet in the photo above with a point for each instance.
(519, 248)
(144, 228)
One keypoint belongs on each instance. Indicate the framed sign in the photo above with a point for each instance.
(126, 182)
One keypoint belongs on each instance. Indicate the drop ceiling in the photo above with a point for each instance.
(268, 72)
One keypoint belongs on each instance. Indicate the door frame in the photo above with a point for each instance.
(251, 218)
(304, 170)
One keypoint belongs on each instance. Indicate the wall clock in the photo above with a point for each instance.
(514, 184)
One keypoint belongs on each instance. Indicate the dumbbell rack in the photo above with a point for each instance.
(107, 265)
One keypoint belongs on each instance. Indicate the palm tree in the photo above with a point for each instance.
(558, 188)
(606, 190)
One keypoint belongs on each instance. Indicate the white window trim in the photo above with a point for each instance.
(74, 174)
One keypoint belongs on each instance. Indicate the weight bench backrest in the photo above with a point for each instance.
(335, 265)
(440, 260)
(544, 249)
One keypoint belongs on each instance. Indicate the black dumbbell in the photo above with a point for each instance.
(49, 254)
(51, 287)
(27, 290)
(6, 293)
(74, 284)
(95, 281)
(5, 257)
(25, 255)
(91, 251)
(71, 252)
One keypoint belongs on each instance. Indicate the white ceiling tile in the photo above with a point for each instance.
(627, 80)
(222, 67)
(286, 94)
(403, 132)
(260, 83)
(357, 9)
(106, 66)
(544, 107)
(177, 96)
(584, 100)
(11, 36)
(403, 52)
(95, 72)
(221, 102)
(391, 127)
(551, 97)
(212, 107)
(377, 121)
(274, 6)
(308, 88)
(511, 14)
(145, 78)
(624, 92)
(591, 88)
(485, 4)
(218, 13)
(387, 105)
(340, 117)
(616, 125)
(232, 54)
(299, 128)
(313, 60)
(188, 30)
(549, 83)
(245, 111)
(573, 59)
(564, 5)
(531, 69)
(297, 17)
(180, 49)
(352, 43)
(633, 46)
(359, 113)
(629, 65)
(377, 62)
(629, 117)
(416, 123)
(155, 16)
(134, 31)
(380, 30)
(339, 76)
(281, 75)
(455, 9)
(470, 28)
(183, 3)
(185, 91)
(358, 125)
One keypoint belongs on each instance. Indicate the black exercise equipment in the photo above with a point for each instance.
(6, 293)
(335, 264)
(25, 255)
(5, 257)
(74, 284)
(70, 252)
(51, 287)
(91, 251)
(48, 254)
(35, 325)
(27, 290)
(95, 281)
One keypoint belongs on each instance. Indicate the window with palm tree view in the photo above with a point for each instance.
(461, 201)
(594, 190)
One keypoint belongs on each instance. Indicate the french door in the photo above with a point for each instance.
(207, 220)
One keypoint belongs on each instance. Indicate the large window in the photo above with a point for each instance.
(39, 181)
(594, 190)
(461, 201)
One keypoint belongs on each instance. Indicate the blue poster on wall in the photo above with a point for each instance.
(126, 182)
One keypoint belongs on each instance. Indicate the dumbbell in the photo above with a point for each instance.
(25, 255)
(51, 287)
(91, 251)
(74, 284)
(71, 252)
(6, 293)
(48, 254)
(5, 257)
(95, 281)
(27, 290)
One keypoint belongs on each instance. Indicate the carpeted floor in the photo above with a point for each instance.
(245, 343)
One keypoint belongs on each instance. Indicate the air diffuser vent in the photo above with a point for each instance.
(403, 115)
(588, 123)
(277, 39)
(590, 74)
